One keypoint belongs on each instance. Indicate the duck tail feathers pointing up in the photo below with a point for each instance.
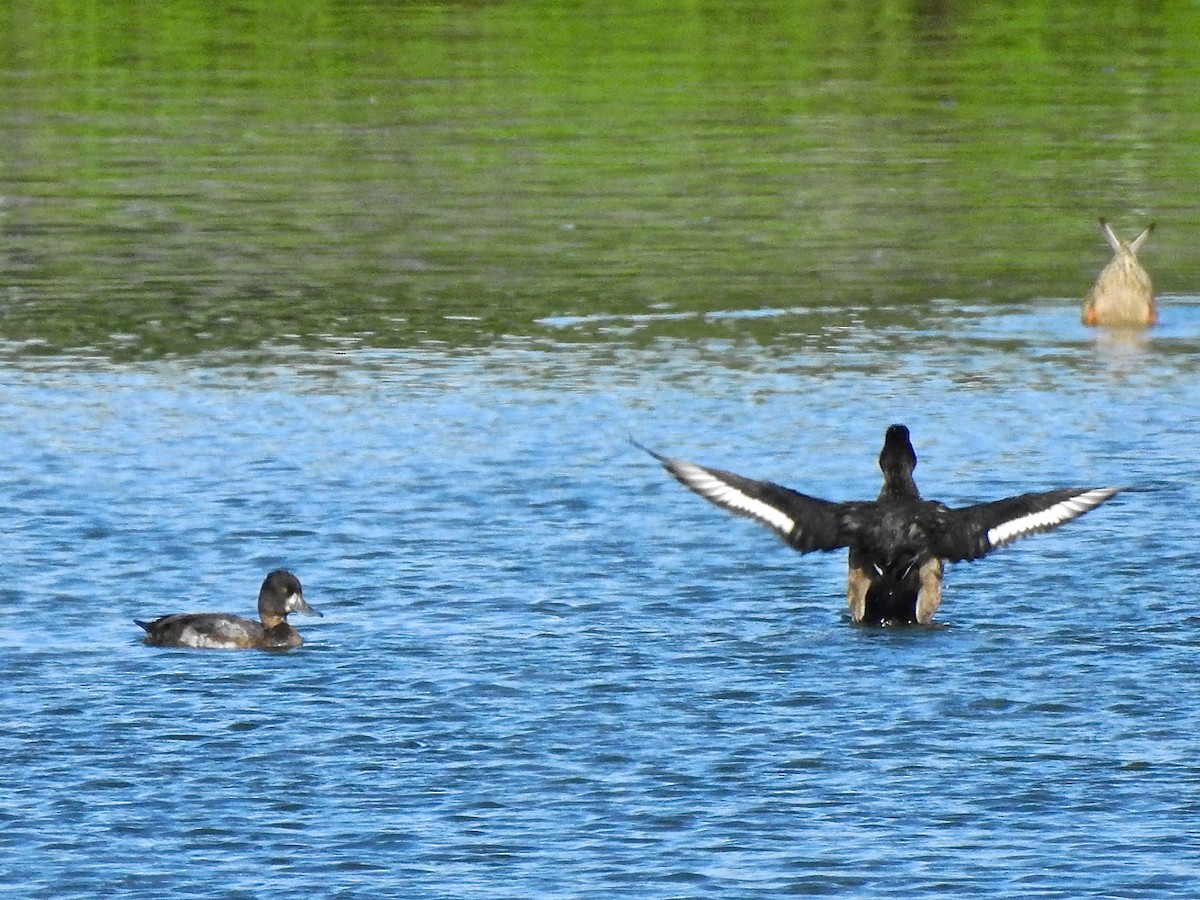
(1136, 244)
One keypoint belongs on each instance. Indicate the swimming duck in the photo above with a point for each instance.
(899, 543)
(280, 594)
(1122, 294)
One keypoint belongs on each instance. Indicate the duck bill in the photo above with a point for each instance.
(296, 603)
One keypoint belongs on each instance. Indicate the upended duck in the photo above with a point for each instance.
(899, 543)
(280, 595)
(1122, 295)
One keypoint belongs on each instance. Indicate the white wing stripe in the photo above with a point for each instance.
(1060, 512)
(712, 488)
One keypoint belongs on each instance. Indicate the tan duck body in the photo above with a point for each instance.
(1122, 295)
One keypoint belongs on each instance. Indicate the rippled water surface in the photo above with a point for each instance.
(547, 670)
(379, 293)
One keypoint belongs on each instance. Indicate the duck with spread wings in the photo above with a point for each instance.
(898, 543)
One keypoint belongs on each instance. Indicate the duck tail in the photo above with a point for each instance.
(144, 625)
(1136, 244)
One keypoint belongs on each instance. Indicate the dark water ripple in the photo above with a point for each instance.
(544, 670)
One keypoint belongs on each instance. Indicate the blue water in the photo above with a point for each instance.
(546, 670)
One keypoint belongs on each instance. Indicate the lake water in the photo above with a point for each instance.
(379, 293)
(547, 670)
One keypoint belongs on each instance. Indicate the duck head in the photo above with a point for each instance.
(281, 594)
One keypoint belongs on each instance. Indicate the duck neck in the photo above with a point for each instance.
(898, 484)
(897, 460)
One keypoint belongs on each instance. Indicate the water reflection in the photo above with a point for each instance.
(456, 172)
(1122, 347)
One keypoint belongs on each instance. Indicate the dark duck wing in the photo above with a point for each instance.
(805, 523)
(974, 531)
